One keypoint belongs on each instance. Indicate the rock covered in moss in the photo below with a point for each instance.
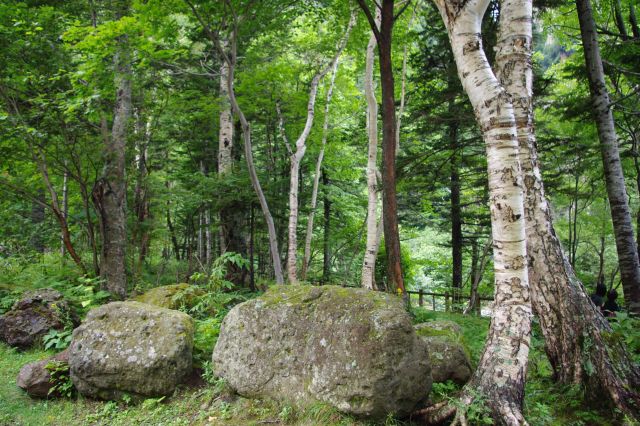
(448, 355)
(34, 377)
(133, 348)
(171, 296)
(33, 316)
(352, 348)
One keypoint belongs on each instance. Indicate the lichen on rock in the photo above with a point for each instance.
(34, 315)
(133, 348)
(448, 354)
(352, 348)
(171, 296)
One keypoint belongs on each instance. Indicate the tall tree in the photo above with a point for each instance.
(230, 58)
(110, 191)
(384, 34)
(502, 367)
(225, 140)
(373, 242)
(614, 177)
(573, 327)
(300, 149)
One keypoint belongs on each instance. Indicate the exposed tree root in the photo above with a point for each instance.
(435, 414)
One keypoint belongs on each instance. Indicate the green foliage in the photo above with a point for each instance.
(627, 329)
(60, 379)
(205, 338)
(57, 339)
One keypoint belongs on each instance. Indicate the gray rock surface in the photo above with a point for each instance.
(33, 316)
(449, 358)
(133, 348)
(34, 377)
(352, 348)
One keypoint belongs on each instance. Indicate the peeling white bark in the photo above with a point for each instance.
(373, 238)
(501, 372)
(225, 142)
(296, 157)
(567, 316)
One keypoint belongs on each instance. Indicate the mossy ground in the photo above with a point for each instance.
(546, 403)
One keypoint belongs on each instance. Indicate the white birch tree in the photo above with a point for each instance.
(373, 236)
(298, 154)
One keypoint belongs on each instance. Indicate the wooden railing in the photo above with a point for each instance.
(446, 295)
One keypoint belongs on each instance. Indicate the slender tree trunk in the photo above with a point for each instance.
(37, 217)
(456, 214)
(255, 182)
(476, 277)
(633, 21)
(575, 332)
(384, 33)
(59, 213)
(65, 209)
(614, 178)
(225, 143)
(316, 176)
(326, 258)
(86, 200)
(296, 157)
(252, 227)
(141, 200)
(403, 87)
(110, 191)
(500, 375)
(373, 243)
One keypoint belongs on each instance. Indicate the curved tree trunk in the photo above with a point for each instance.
(296, 158)
(614, 178)
(246, 135)
(573, 328)
(373, 243)
(500, 375)
(316, 177)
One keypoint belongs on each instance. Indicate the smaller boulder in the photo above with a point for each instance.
(133, 348)
(448, 355)
(171, 296)
(33, 316)
(35, 379)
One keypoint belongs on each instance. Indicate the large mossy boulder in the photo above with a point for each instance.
(352, 348)
(449, 357)
(171, 296)
(133, 348)
(35, 378)
(33, 316)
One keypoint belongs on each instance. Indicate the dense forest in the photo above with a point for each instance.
(282, 188)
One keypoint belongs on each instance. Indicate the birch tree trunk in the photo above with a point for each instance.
(296, 157)
(225, 141)
(500, 375)
(373, 243)
(316, 177)
(110, 191)
(246, 136)
(575, 332)
(614, 178)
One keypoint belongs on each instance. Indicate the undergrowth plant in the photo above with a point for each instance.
(60, 379)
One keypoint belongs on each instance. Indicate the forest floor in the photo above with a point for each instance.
(212, 404)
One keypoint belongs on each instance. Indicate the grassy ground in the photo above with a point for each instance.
(211, 404)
